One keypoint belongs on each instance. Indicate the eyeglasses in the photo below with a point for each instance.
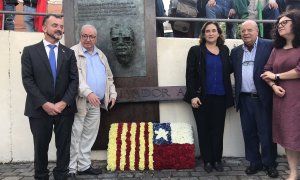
(248, 63)
(86, 37)
(282, 23)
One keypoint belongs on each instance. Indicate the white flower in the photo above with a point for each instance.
(161, 133)
(182, 133)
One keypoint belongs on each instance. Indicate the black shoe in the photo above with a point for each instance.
(253, 169)
(71, 176)
(208, 167)
(90, 171)
(272, 172)
(218, 166)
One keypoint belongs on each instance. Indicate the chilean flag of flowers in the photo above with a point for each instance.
(149, 146)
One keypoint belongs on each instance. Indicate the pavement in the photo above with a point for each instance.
(233, 170)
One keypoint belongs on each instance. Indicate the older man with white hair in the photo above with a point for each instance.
(96, 90)
(253, 99)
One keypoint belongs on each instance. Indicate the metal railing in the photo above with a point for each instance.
(208, 19)
(24, 13)
(157, 18)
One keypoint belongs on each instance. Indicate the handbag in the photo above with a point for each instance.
(181, 26)
(186, 8)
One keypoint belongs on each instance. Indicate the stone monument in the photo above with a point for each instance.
(126, 35)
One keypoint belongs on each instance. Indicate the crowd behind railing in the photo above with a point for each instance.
(231, 12)
(186, 17)
(33, 13)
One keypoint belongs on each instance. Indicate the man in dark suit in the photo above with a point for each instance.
(254, 99)
(50, 78)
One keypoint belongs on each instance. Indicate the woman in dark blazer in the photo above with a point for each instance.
(209, 91)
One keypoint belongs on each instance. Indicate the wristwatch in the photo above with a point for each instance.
(277, 77)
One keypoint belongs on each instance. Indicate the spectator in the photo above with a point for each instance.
(292, 4)
(258, 9)
(1, 15)
(38, 20)
(160, 12)
(30, 6)
(283, 75)
(9, 20)
(182, 28)
(222, 9)
(209, 92)
(201, 14)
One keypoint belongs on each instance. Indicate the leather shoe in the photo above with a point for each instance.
(71, 176)
(218, 166)
(90, 171)
(272, 172)
(208, 167)
(253, 169)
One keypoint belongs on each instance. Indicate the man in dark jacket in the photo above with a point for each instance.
(253, 98)
(9, 20)
(50, 78)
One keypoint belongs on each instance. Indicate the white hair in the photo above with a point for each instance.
(88, 26)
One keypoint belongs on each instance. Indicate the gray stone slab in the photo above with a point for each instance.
(208, 178)
(180, 174)
(12, 178)
(228, 178)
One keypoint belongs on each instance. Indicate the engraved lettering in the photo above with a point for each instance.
(100, 11)
(165, 92)
(180, 92)
(145, 93)
(156, 92)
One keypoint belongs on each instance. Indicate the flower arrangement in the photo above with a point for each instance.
(149, 146)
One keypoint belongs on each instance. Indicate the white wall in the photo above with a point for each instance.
(15, 136)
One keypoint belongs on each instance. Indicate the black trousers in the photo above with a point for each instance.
(41, 129)
(210, 120)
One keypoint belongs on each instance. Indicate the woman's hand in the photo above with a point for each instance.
(196, 102)
(268, 75)
(278, 90)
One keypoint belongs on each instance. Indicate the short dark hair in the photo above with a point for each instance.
(220, 40)
(279, 42)
(49, 15)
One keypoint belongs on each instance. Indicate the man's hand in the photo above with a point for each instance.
(112, 102)
(196, 102)
(211, 3)
(93, 100)
(231, 13)
(273, 5)
(49, 108)
(60, 106)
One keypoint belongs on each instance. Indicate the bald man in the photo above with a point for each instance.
(253, 97)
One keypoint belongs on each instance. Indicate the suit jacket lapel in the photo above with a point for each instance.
(60, 56)
(42, 52)
(259, 51)
(240, 54)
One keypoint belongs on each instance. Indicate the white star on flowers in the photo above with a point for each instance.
(161, 133)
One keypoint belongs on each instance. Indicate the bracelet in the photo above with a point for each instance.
(273, 84)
